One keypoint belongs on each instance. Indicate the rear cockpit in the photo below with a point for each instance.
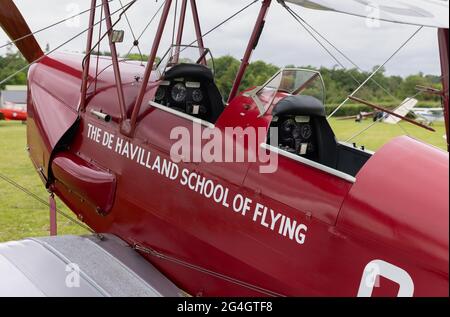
(295, 100)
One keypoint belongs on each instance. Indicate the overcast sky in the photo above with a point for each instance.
(283, 41)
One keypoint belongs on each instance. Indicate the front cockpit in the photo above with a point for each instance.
(188, 86)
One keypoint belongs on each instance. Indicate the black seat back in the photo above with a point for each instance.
(204, 75)
(301, 105)
(326, 142)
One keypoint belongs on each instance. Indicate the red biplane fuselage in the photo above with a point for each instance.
(338, 226)
(364, 224)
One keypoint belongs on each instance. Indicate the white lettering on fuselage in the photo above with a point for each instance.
(268, 218)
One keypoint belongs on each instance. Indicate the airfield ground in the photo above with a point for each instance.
(21, 216)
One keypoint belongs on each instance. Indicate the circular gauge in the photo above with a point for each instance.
(197, 95)
(179, 92)
(290, 129)
(160, 93)
(306, 131)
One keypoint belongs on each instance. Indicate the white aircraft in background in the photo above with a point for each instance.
(429, 115)
(405, 107)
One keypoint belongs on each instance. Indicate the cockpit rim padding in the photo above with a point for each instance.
(183, 70)
(299, 105)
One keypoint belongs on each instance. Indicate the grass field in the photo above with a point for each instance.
(381, 133)
(21, 216)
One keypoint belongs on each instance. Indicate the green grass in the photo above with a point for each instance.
(381, 133)
(21, 216)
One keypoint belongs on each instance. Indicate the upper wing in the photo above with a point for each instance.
(433, 13)
(12, 21)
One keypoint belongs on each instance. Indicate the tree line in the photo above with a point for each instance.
(339, 83)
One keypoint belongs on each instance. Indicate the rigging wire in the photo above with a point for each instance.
(151, 20)
(203, 270)
(42, 201)
(125, 59)
(135, 40)
(187, 46)
(377, 70)
(221, 24)
(99, 47)
(145, 29)
(380, 119)
(174, 22)
(58, 47)
(124, 11)
(305, 23)
(49, 27)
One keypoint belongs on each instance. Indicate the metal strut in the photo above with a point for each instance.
(46, 203)
(257, 31)
(53, 220)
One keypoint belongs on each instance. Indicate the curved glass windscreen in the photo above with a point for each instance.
(185, 54)
(291, 81)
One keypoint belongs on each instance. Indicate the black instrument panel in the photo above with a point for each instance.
(185, 96)
(296, 135)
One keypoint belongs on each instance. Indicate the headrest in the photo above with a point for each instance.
(196, 71)
(299, 106)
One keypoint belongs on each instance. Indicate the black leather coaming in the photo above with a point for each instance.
(299, 106)
(197, 71)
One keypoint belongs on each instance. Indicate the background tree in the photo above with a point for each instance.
(339, 83)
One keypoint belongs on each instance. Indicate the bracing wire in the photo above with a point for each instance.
(49, 26)
(42, 201)
(98, 48)
(203, 36)
(221, 24)
(135, 40)
(124, 11)
(377, 70)
(379, 120)
(131, 48)
(305, 23)
(145, 29)
(191, 266)
(58, 47)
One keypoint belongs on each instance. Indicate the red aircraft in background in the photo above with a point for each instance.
(13, 112)
(331, 220)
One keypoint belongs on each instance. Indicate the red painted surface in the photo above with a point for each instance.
(400, 203)
(96, 187)
(396, 211)
(12, 114)
(443, 50)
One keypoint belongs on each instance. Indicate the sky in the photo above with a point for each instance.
(283, 41)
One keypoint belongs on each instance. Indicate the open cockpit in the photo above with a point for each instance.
(188, 86)
(295, 100)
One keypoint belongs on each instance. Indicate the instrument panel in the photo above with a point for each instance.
(296, 135)
(185, 96)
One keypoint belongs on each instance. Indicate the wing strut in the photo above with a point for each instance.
(250, 48)
(443, 48)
